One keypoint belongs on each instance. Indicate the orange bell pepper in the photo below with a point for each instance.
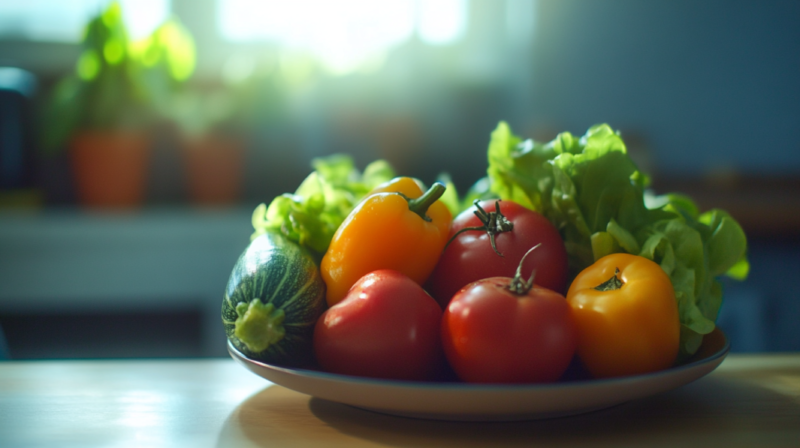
(396, 227)
(627, 316)
(408, 186)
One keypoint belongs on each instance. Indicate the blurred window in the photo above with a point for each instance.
(63, 20)
(343, 33)
(520, 20)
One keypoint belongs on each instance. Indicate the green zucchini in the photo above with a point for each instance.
(273, 299)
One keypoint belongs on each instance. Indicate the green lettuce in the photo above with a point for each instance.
(592, 191)
(311, 215)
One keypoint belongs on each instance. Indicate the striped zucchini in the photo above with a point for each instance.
(273, 299)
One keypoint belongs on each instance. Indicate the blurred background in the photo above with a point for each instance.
(227, 102)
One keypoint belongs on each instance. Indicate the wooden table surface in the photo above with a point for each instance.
(750, 400)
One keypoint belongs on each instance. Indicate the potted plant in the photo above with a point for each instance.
(212, 124)
(213, 159)
(104, 111)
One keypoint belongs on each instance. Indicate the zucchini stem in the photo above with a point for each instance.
(259, 326)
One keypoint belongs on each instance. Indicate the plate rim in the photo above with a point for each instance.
(484, 388)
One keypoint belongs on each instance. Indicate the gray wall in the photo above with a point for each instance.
(711, 84)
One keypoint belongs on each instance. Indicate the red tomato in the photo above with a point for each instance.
(470, 256)
(493, 335)
(387, 326)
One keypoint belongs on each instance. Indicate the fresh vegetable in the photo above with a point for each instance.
(312, 214)
(504, 330)
(401, 231)
(386, 327)
(627, 316)
(450, 196)
(593, 193)
(272, 301)
(489, 240)
(408, 186)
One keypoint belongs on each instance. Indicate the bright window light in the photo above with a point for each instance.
(64, 20)
(343, 34)
(520, 20)
(441, 21)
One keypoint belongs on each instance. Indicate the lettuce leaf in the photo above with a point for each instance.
(450, 196)
(311, 215)
(592, 191)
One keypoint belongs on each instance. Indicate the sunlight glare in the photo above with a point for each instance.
(346, 34)
(441, 21)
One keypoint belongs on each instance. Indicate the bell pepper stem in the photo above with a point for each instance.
(611, 284)
(421, 204)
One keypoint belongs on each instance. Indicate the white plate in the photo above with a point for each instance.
(470, 402)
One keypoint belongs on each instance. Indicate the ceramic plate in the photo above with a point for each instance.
(470, 402)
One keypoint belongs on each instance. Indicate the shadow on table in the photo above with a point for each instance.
(714, 411)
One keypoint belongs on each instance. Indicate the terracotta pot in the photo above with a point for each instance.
(110, 168)
(214, 169)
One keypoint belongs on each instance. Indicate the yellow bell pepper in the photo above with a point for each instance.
(627, 316)
(396, 227)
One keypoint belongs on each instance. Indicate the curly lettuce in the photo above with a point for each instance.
(592, 191)
(311, 215)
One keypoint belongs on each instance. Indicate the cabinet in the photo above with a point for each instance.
(69, 261)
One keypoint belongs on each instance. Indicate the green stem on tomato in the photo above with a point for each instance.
(519, 286)
(494, 223)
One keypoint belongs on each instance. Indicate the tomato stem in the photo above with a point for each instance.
(519, 286)
(421, 204)
(494, 223)
(611, 284)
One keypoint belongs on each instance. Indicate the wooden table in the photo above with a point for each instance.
(750, 400)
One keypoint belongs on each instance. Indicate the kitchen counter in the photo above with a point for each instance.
(750, 400)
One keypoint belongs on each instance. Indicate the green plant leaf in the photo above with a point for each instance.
(118, 84)
(592, 191)
(311, 215)
(727, 243)
(450, 196)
